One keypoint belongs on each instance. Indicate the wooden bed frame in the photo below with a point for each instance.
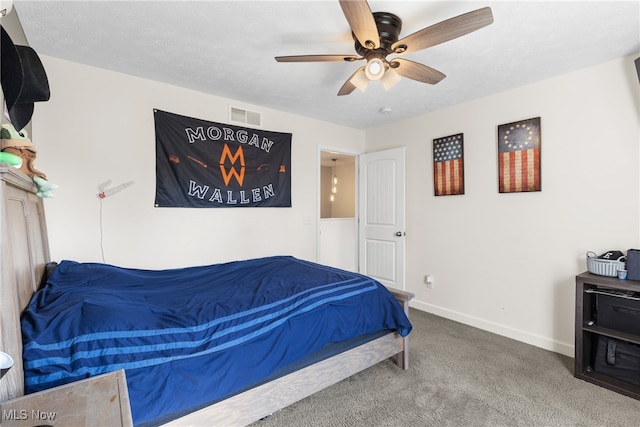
(25, 251)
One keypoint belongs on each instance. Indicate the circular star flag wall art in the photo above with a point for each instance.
(519, 156)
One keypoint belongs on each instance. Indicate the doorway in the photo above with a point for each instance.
(337, 224)
(371, 238)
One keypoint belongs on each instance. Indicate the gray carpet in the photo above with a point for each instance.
(463, 376)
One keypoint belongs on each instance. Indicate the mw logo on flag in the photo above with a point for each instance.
(203, 164)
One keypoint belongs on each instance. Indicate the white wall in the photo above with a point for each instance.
(344, 203)
(338, 225)
(326, 205)
(98, 125)
(507, 262)
(502, 262)
(338, 243)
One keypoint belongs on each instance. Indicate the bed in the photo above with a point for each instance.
(189, 360)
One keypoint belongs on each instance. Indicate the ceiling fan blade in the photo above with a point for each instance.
(444, 31)
(348, 86)
(362, 23)
(416, 71)
(317, 58)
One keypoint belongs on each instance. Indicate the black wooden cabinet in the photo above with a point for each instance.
(588, 289)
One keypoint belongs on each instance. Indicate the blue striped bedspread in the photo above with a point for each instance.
(191, 336)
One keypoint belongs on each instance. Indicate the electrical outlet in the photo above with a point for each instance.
(428, 280)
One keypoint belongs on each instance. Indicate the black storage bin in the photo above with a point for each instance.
(619, 313)
(618, 359)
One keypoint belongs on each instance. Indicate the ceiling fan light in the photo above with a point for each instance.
(375, 69)
(390, 79)
(360, 81)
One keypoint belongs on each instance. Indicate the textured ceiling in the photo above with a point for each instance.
(227, 48)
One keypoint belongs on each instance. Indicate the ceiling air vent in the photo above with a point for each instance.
(244, 116)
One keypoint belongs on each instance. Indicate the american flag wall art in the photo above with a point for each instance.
(519, 156)
(448, 165)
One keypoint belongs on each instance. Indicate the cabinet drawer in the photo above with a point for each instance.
(618, 359)
(98, 401)
(618, 313)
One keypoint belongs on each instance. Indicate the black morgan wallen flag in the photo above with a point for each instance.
(201, 164)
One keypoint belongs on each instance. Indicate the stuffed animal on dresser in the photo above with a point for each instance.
(19, 144)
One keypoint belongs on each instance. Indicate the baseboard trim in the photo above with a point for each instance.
(496, 328)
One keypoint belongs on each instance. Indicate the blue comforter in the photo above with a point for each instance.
(187, 337)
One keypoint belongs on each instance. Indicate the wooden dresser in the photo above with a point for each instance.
(101, 401)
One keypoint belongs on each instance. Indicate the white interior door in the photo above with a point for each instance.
(382, 216)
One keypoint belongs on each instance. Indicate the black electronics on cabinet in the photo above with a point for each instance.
(633, 264)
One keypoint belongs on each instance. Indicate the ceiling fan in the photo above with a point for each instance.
(376, 36)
